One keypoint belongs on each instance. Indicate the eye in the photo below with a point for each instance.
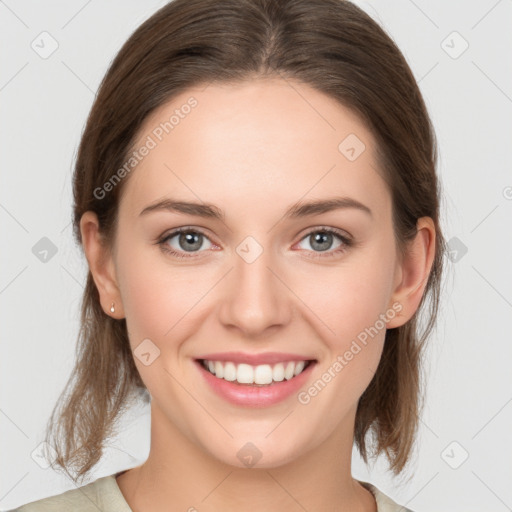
(186, 240)
(321, 240)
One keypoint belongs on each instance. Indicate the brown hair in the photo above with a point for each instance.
(336, 48)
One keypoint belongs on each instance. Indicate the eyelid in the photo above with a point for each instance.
(340, 232)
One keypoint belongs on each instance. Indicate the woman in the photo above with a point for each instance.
(287, 142)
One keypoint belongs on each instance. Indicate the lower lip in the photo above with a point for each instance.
(255, 396)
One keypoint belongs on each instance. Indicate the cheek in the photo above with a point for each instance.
(159, 300)
(349, 298)
(159, 305)
(350, 303)
(354, 308)
(147, 303)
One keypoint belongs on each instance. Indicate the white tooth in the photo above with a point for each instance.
(263, 374)
(219, 371)
(299, 367)
(229, 371)
(278, 372)
(288, 373)
(245, 374)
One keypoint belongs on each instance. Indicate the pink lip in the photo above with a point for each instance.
(251, 395)
(255, 359)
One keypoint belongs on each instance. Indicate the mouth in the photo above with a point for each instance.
(262, 375)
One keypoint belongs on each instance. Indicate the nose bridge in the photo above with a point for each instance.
(256, 299)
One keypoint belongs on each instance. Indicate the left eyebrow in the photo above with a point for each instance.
(297, 210)
(319, 206)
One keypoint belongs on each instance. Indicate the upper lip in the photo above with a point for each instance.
(255, 359)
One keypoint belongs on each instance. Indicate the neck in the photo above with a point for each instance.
(179, 476)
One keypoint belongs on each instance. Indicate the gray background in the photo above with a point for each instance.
(44, 104)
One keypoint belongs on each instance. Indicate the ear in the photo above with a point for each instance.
(101, 264)
(412, 272)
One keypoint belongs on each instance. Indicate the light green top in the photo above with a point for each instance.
(105, 495)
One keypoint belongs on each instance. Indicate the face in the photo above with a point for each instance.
(317, 284)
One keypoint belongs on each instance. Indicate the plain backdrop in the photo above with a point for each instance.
(459, 52)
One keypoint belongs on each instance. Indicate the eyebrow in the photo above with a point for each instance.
(297, 210)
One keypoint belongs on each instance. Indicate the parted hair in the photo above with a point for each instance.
(330, 45)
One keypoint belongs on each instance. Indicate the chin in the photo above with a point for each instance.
(255, 454)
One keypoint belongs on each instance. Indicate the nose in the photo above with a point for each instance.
(255, 299)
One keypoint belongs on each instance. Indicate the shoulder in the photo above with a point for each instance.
(384, 502)
(102, 494)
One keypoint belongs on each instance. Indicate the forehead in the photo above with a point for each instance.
(265, 142)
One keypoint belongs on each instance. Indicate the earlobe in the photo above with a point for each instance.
(414, 271)
(101, 264)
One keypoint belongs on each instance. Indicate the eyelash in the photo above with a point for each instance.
(347, 242)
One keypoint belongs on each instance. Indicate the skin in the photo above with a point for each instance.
(253, 149)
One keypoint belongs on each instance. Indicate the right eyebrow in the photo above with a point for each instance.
(199, 209)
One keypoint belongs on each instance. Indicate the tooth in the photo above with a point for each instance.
(288, 373)
(230, 371)
(299, 367)
(278, 372)
(263, 374)
(245, 374)
(219, 371)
